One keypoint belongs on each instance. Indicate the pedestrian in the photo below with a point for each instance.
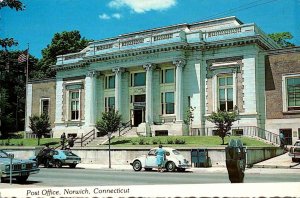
(160, 158)
(71, 141)
(63, 140)
(282, 139)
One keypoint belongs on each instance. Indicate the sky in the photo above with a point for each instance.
(101, 19)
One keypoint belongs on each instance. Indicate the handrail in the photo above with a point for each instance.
(247, 131)
(124, 126)
(86, 137)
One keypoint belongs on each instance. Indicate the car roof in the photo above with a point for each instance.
(165, 148)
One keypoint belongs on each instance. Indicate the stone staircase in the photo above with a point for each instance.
(128, 132)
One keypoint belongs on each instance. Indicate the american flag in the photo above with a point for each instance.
(23, 56)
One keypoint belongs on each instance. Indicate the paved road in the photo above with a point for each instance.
(104, 177)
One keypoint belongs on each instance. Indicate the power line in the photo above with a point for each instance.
(240, 8)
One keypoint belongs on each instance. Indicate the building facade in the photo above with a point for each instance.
(154, 77)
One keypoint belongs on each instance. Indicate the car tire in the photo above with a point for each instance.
(170, 166)
(294, 159)
(137, 165)
(58, 164)
(22, 179)
(148, 169)
(72, 165)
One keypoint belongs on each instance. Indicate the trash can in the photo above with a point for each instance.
(200, 158)
(235, 160)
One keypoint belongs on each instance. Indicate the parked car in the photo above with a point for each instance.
(21, 169)
(56, 158)
(295, 151)
(174, 161)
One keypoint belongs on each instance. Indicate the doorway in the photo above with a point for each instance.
(287, 135)
(137, 117)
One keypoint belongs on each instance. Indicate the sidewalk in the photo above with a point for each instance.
(282, 161)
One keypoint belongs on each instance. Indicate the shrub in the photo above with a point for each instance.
(170, 141)
(154, 141)
(141, 141)
(179, 141)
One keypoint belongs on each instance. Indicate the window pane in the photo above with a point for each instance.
(229, 81)
(221, 81)
(111, 102)
(111, 82)
(170, 108)
(140, 79)
(221, 94)
(230, 94)
(222, 106)
(229, 105)
(169, 97)
(169, 76)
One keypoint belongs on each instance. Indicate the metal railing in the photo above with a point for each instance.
(125, 126)
(85, 139)
(251, 131)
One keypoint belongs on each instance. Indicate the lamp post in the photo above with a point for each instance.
(109, 160)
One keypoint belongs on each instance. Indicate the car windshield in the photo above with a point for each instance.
(68, 153)
(176, 152)
(3, 154)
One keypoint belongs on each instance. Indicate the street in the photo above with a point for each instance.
(90, 177)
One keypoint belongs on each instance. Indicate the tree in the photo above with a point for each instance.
(62, 43)
(281, 39)
(13, 4)
(223, 121)
(39, 125)
(110, 122)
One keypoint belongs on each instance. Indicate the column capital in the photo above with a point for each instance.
(149, 66)
(92, 73)
(179, 62)
(117, 70)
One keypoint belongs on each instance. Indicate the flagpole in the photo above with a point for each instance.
(26, 91)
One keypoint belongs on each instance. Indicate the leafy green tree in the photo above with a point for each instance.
(281, 39)
(40, 125)
(223, 121)
(110, 122)
(62, 43)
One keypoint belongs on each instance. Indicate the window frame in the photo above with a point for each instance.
(77, 100)
(164, 74)
(132, 79)
(226, 87)
(107, 106)
(107, 80)
(285, 102)
(164, 104)
(42, 106)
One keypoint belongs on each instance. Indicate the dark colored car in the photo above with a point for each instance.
(21, 169)
(56, 158)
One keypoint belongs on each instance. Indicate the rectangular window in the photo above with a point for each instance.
(109, 103)
(225, 93)
(168, 76)
(139, 79)
(110, 82)
(293, 93)
(168, 105)
(75, 105)
(45, 102)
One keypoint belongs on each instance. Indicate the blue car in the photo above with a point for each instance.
(56, 158)
(21, 168)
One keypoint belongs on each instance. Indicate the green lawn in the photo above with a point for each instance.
(179, 141)
(184, 141)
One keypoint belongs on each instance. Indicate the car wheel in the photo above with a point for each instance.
(137, 165)
(72, 165)
(170, 166)
(22, 179)
(294, 159)
(58, 164)
(148, 169)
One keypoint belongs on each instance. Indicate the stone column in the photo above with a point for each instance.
(178, 94)
(149, 109)
(90, 98)
(118, 87)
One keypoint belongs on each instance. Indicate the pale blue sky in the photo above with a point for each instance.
(100, 19)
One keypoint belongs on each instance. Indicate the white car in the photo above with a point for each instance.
(295, 151)
(174, 161)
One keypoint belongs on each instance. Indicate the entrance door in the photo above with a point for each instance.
(288, 136)
(137, 117)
